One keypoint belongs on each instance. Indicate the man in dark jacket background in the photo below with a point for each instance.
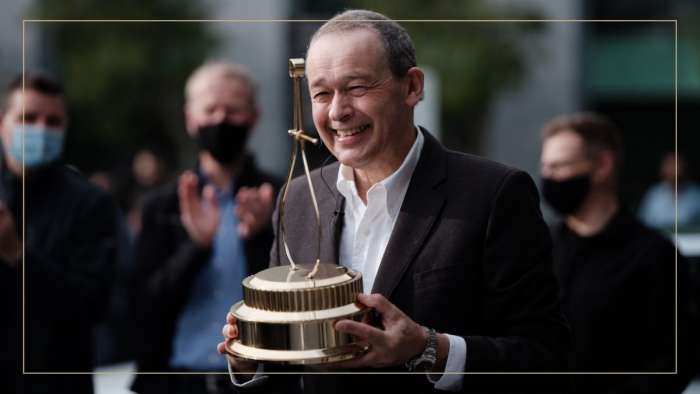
(200, 238)
(617, 276)
(69, 235)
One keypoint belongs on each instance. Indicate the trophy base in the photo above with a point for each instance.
(297, 338)
(295, 357)
(288, 318)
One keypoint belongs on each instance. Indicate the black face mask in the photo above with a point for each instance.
(224, 141)
(567, 195)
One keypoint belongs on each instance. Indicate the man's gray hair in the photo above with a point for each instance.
(224, 71)
(400, 53)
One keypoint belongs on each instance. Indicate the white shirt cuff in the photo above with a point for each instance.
(456, 359)
(256, 380)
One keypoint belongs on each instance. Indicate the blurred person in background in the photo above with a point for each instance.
(112, 343)
(148, 173)
(658, 207)
(616, 275)
(69, 239)
(201, 237)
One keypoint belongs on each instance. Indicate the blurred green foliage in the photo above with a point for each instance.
(124, 80)
(475, 61)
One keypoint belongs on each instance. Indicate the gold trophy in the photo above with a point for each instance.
(288, 312)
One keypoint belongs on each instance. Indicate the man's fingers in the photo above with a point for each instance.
(266, 193)
(359, 330)
(358, 362)
(221, 347)
(380, 304)
(247, 218)
(231, 318)
(209, 195)
(230, 331)
(187, 192)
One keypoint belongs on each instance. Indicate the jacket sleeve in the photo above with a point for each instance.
(83, 282)
(527, 331)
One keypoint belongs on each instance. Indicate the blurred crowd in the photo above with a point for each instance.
(145, 268)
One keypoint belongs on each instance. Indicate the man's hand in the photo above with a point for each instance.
(401, 339)
(200, 216)
(230, 332)
(254, 207)
(10, 247)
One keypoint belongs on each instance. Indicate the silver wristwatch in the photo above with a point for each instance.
(425, 361)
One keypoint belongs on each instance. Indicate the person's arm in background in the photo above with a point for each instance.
(166, 263)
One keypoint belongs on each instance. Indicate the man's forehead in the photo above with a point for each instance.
(33, 100)
(358, 53)
(219, 88)
(218, 82)
(564, 144)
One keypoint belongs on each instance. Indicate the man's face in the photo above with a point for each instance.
(563, 156)
(39, 109)
(213, 100)
(359, 108)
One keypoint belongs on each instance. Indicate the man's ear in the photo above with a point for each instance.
(605, 167)
(415, 83)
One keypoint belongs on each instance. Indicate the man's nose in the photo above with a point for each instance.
(219, 116)
(340, 108)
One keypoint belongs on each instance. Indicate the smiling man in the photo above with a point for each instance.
(453, 250)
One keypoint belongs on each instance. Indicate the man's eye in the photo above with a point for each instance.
(320, 96)
(358, 90)
(28, 117)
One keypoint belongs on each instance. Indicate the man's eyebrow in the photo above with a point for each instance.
(345, 79)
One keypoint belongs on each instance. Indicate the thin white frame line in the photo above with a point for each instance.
(325, 20)
(24, 221)
(675, 86)
(675, 202)
(353, 373)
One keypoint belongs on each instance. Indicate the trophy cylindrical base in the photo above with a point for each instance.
(295, 337)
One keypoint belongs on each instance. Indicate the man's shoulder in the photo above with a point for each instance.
(468, 163)
(644, 239)
(323, 178)
(471, 171)
(162, 198)
(253, 175)
(74, 182)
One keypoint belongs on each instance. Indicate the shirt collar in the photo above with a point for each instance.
(395, 184)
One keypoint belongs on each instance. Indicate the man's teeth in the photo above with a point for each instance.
(349, 132)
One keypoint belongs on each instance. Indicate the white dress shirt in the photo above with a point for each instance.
(366, 233)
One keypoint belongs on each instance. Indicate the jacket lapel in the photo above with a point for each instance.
(331, 205)
(421, 207)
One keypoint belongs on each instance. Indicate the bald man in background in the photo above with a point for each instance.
(201, 237)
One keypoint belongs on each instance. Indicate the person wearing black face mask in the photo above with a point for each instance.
(200, 238)
(224, 141)
(616, 275)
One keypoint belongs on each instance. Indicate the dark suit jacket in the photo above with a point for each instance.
(469, 255)
(166, 265)
(70, 236)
